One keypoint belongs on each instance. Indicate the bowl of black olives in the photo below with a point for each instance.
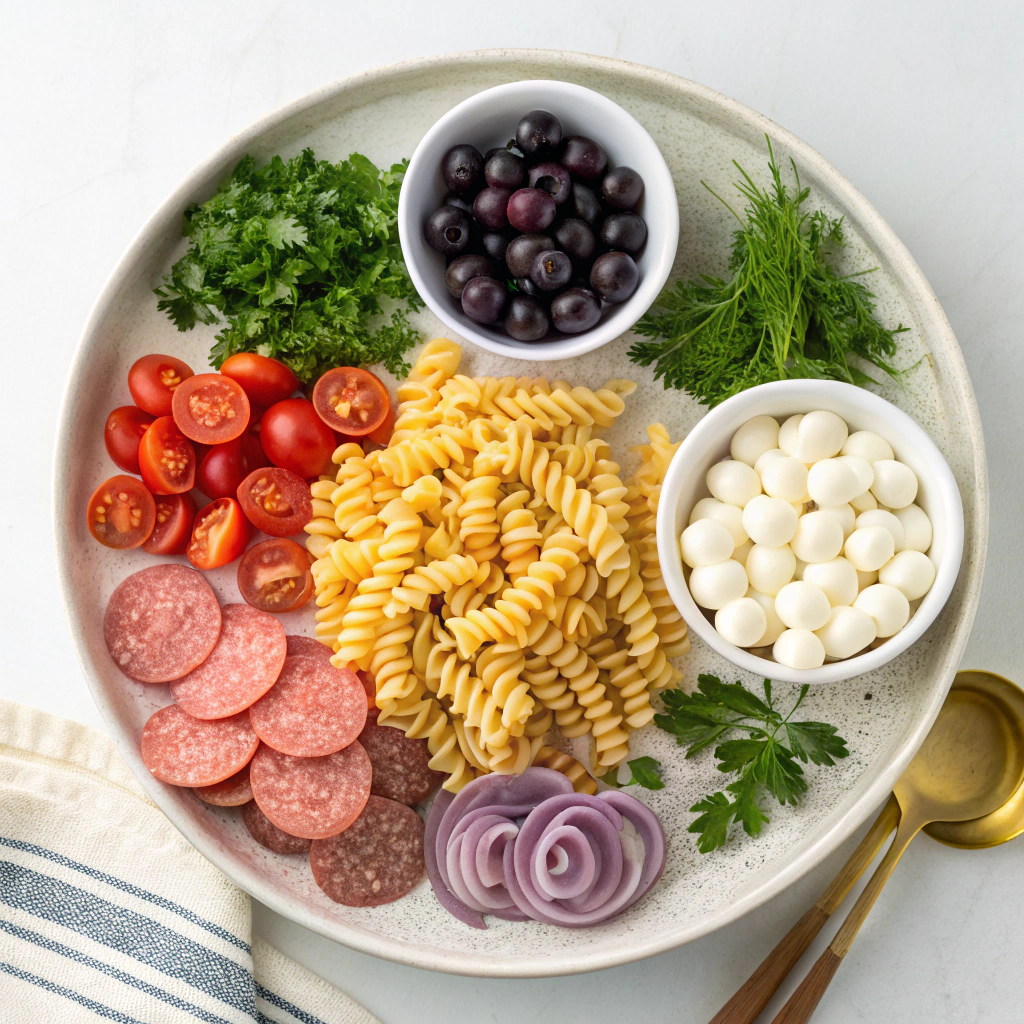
(538, 220)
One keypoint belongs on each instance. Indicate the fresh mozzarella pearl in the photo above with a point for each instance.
(770, 521)
(733, 482)
(866, 579)
(802, 605)
(742, 622)
(789, 439)
(878, 517)
(911, 572)
(895, 484)
(863, 502)
(843, 515)
(870, 547)
(741, 552)
(837, 578)
(770, 569)
(917, 527)
(798, 572)
(784, 477)
(847, 631)
(820, 435)
(866, 444)
(818, 537)
(862, 468)
(729, 516)
(706, 542)
(800, 649)
(754, 438)
(774, 626)
(832, 482)
(714, 586)
(888, 608)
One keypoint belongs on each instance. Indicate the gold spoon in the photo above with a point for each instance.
(970, 764)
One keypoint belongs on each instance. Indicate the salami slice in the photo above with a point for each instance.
(232, 792)
(311, 797)
(243, 665)
(376, 860)
(187, 751)
(307, 645)
(400, 765)
(313, 710)
(267, 834)
(161, 623)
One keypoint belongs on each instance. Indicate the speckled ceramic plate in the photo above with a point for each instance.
(884, 715)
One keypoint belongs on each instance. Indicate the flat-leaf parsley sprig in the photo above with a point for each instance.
(767, 757)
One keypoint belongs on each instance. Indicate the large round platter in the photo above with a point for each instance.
(884, 715)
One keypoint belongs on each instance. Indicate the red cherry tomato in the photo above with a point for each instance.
(152, 380)
(219, 534)
(276, 501)
(167, 459)
(211, 408)
(351, 400)
(295, 438)
(122, 434)
(121, 513)
(263, 379)
(252, 451)
(383, 433)
(222, 469)
(274, 576)
(175, 514)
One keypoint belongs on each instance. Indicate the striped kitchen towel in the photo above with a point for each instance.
(106, 910)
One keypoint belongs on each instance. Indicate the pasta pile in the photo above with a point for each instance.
(493, 573)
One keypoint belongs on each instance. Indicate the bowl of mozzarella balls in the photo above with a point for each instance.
(809, 531)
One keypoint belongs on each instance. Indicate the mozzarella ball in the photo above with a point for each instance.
(820, 435)
(789, 439)
(866, 579)
(774, 625)
(895, 485)
(733, 482)
(836, 578)
(754, 438)
(886, 520)
(714, 586)
(706, 542)
(911, 572)
(770, 569)
(729, 516)
(770, 521)
(843, 515)
(862, 470)
(784, 477)
(766, 457)
(832, 482)
(847, 631)
(802, 605)
(863, 502)
(818, 537)
(917, 527)
(742, 622)
(740, 553)
(869, 547)
(800, 649)
(866, 444)
(888, 608)
(798, 572)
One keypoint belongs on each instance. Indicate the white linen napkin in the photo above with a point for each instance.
(106, 910)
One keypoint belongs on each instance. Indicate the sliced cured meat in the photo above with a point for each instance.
(161, 623)
(369, 686)
(400, 765)
(307, 645)
(187, 751)
(232, 792)
(313, 710)
(243, 665)
(376, 860)
(311, 797)
(267, 834)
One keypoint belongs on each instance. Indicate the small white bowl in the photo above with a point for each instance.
(708, 443)
(489, 119)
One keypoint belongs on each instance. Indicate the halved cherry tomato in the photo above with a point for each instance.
(122, 434)
(276, 501)
(152, 380)
(211, 408)
(351, 400)
(121, 513)
(274, 576)
(219, 534)
(383, 433)
(167, 459)
(222, 469)
(175, 514)
(263, 379)
(295, 438)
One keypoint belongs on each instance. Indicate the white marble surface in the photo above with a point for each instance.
(105, 107)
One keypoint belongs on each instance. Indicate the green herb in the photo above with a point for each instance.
(294, 258)
(767, 757)
(783, 312)
(643, 771)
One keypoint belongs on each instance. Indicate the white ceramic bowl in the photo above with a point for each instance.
(489, 119)
(708, 443)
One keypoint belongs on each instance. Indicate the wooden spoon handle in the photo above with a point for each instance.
(752, 996)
